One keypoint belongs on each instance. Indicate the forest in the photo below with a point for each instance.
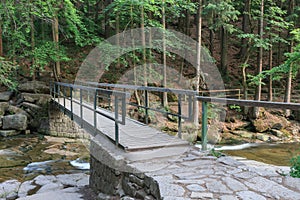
(255, 43)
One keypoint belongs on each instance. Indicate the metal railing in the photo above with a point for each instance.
(249, 103)
(75, 94)
(181, 96)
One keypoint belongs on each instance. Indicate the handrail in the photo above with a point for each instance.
(180, 92)
(250, 103)
(59, 90)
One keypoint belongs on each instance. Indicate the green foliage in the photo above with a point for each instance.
(235, 107)
(8, 74)
(295, 168)
(215, 153)
(47, 53)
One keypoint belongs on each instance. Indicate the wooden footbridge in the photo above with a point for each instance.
(84, 103)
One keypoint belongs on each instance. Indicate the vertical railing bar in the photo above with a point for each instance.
(81, 112)
(179, 116)
(71, 96)
(95, 109)
(64, 96)
(123, 108)
(191, 113)
(58, 93)
(204, 125)
(116, 121)
(146, 107)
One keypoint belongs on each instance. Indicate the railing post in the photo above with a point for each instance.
(64, 95)
(204, 125)
(80, 94)
(95, 109)
(179, 116)
(116, 120)
(71, 96)
(146, 107)
(58, 93)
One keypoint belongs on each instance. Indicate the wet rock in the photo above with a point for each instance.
(34, 87)
(15, 122)
(5, 96)
(39, 167)
(8, 133)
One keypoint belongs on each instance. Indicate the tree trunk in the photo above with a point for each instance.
(187, 32)
(1, 40)
(198, 61)
(134, 63)
(164, 55)
(224, 48)
(246, 27)
(270, 89)
(288, 88)
(260, 60)
(106, 21)
(35, 71)
(55, 32)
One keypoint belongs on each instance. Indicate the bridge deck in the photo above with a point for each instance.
(133, 135)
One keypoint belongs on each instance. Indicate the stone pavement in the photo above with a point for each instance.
(197, 176)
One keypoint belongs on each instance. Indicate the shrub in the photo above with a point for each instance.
(295, 168)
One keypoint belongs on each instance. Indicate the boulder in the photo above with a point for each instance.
(267, 121)
(277, 133)
(263, 137)
(3, 108)
(244, 134)
(15, 122)
(40, 99)
(5, 96)
(34, 87)
(16, 110)
(7, 133)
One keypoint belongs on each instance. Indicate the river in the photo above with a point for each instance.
(26, 156)
(276, 154)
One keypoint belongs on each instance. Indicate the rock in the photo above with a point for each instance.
(16, 110)
(244, 134)
(5, 96)
(102, 196)
(15, 122)
(25, 188)
(1, 121)
(34, 87)
(277, 133)
(8, 133)
(40, 99)
(267, 121)
(213, 134)
(3, 108)
(8, 189)
(263, 137)
(277, 126)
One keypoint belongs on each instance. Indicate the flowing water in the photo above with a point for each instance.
(27, 156)
(276, 154)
